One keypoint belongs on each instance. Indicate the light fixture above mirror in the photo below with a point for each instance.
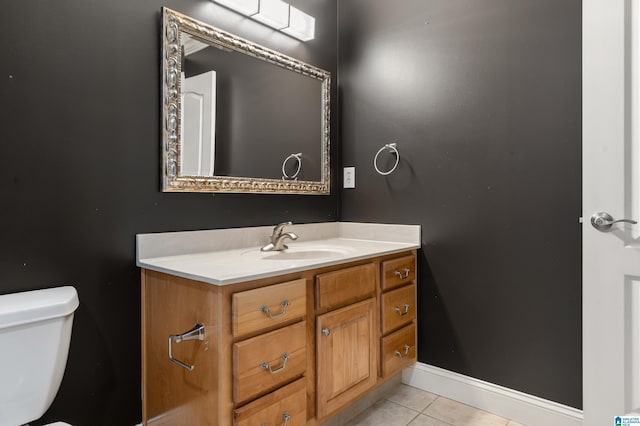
(246, 7)
(276, 14)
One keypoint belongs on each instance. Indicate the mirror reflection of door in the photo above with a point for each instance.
(198, 125)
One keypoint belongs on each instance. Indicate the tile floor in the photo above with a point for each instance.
(408, 406)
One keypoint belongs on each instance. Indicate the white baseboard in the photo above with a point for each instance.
(508, 403)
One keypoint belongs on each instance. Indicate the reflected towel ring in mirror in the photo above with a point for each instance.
(393, 148)
(294, 176)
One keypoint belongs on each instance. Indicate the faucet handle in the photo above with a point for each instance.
(277, 230)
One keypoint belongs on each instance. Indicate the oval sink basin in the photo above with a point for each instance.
(299, 253)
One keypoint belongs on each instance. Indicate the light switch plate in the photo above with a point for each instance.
(349, 177)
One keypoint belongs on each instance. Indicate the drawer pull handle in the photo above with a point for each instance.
(406, 351)
(402, 276)
(268, 313)
(285, 417)
(196, 333)
(326, 331)
(266, 366)
(401, 312)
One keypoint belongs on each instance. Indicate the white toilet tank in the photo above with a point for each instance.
(35, 331)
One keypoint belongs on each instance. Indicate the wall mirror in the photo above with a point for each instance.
(238, 117)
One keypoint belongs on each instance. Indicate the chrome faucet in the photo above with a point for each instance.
(278, 237)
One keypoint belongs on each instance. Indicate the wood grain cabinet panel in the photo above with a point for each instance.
(265, 307)
(396, 272)
(398, 308)
(287, 405)
(346, 357)
(265, 362)
(173, 395)
(398, 350)
(347, 285)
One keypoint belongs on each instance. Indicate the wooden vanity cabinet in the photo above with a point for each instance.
(293, 349)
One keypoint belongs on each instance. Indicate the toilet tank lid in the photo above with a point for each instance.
(37, 305)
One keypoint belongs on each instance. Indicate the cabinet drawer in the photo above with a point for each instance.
(265, 362)
(396, 272)
(287, 403)
(398, 350)
(398, 308)
(264, 307)
(346, 285)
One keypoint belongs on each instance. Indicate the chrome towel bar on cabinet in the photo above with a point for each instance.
(196, 333)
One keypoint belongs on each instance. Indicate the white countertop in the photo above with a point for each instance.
(229, 256)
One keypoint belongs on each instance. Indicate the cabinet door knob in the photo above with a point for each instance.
(326, 331)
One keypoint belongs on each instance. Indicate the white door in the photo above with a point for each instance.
(198, 125)
(611, 183)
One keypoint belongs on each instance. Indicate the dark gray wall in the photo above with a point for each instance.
(483, 98)
(80, 173)
(484, 101)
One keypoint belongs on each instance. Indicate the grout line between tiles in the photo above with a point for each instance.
(429, 405)
(417, 413)
(414, 417)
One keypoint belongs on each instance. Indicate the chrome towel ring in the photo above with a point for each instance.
(294, 176)
(393, 148)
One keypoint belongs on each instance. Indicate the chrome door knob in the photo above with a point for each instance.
(603, 221)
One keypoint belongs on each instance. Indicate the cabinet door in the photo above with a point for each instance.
(346, 355)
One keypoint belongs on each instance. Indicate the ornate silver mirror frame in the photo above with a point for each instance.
(173, 25)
